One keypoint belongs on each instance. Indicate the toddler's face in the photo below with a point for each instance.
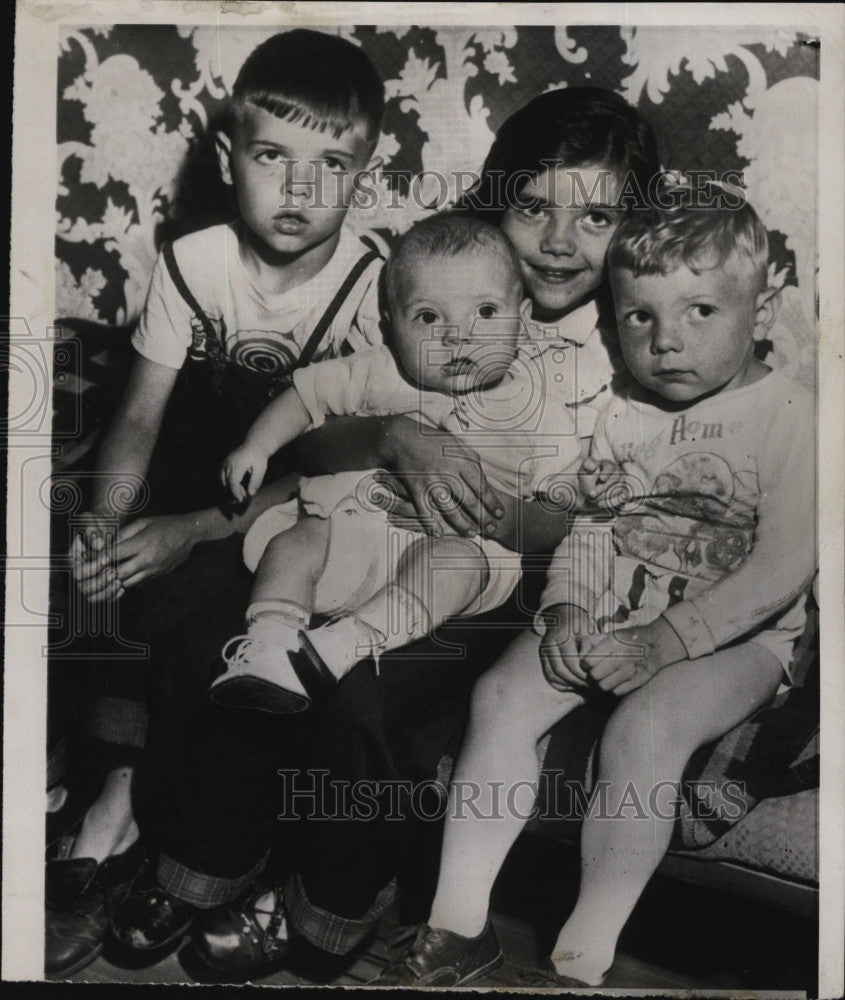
(686, 335)
(294, 184)
(561, 235)
(457, 320)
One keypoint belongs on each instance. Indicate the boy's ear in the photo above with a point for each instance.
(767, 305)
(223, 147)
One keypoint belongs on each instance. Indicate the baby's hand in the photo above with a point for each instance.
(242, 462)
(595, 480)
(562, 646)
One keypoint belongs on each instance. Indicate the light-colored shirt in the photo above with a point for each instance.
(262, 332)
(523, 431)
(722, 508)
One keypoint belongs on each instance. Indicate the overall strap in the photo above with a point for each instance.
(334, 306)
(185, 292)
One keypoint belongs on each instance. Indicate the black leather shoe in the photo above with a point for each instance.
(81, 895)
(441, 958)
(230, 938)
(150, 918)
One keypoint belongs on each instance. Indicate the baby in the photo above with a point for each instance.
(458, 315)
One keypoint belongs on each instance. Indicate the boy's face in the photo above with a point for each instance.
(456, 320)
(687, 335)
(294, 184)
(561, 235)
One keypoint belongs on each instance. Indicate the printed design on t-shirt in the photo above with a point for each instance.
(640, 592)
(700, 518)
(205, 346)
(264, 352)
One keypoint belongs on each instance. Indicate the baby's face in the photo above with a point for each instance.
(687, 335)
(457, 320)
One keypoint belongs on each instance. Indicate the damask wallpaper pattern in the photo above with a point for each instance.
(137, 105)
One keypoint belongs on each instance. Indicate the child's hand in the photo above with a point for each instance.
(92, 558)
(242, 462)
(561, 647)
(625, 660)
(596, 479)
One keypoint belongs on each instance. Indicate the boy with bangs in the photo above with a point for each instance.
(711, 555)
(230, 313)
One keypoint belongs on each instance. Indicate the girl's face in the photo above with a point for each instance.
(560, 231)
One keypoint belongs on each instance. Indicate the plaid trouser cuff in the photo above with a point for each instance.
(327, 931)
(200, 890)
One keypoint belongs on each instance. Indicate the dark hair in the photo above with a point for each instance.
(446, 235)
(662, 240)
(321, 81)
(574, 126)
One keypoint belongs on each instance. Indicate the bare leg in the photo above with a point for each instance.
(292, 564)
(512, 708)
(109, 826)
(649, 739)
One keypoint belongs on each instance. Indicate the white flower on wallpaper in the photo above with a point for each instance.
(497, 64)
(121, 101)
(78, 296)
(457, 136)
(779, 139)
(656, 54)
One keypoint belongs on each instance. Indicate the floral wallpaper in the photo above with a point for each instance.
(137, 104)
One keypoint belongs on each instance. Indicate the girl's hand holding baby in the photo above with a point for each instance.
(625, 660)
(566, 638)
(247, 460)
(438, 481)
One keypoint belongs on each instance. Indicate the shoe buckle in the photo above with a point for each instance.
(273, 924)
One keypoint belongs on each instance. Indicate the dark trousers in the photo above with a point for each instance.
(211, 795)
(116, 662)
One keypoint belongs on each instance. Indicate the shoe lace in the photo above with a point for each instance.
(235, 653)
(401, 940)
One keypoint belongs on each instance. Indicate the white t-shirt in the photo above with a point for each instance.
(721, 514)
(262, 332)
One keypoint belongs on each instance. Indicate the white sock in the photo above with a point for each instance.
(269, 614)
(342, 643)
(399, 615)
